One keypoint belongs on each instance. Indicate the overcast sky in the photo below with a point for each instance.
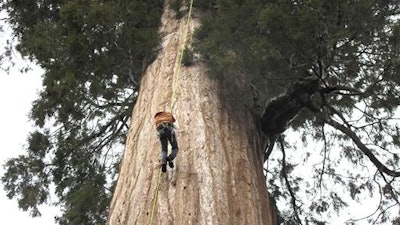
(17, 91)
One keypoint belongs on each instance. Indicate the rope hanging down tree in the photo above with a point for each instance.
(176, 75)
(175, 83)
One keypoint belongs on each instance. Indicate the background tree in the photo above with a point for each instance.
(255, 49)
(93, 54)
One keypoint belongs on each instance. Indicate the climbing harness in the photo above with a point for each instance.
(165, 125)
(173, 96)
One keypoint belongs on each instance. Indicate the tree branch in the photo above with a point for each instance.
(324, 160)
(360, 145)
(393, 193)
(270, 147)
(337, 89)
(284, 172)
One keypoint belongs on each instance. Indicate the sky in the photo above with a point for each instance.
(17, 91)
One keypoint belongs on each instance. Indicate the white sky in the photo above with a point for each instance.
(17, 91)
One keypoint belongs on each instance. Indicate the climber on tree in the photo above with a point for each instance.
(166, 132)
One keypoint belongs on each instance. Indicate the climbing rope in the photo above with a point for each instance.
(173, 96)
(155, 197)
(182, 49)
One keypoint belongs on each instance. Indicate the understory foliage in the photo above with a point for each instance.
(93, 54)
(351, 134)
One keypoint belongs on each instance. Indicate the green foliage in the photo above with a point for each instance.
(256, 47)
(93, 54)
(233, 47)
(187, 57)
(176, 6)
(25, 181)
(205, 4)
(90, 195)
(275, 42)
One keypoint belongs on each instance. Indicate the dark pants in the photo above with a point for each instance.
(167, 133)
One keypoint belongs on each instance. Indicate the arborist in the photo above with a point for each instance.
(166, 132)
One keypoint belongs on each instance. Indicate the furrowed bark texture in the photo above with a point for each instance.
(218, 177)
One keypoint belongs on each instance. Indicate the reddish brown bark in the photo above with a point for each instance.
(218, 177)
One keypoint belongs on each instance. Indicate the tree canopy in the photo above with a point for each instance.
(93, 53)
(352, 49)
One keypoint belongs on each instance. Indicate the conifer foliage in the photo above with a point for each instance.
(93, 53)
(352, 49)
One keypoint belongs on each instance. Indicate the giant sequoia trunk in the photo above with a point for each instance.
(218, 178)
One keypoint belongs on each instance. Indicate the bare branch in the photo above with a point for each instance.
(338, 114)
(324, 160)
(392, 191)
(284, 172)
(269, 147)
(339, 88)
(377, 208)
(381, 167)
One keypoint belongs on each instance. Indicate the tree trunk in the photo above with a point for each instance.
(218, 177)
